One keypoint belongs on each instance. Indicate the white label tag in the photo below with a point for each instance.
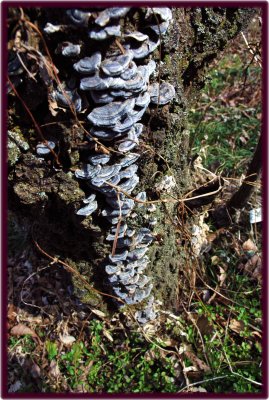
(255, 215)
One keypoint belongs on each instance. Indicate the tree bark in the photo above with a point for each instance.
(49, 194)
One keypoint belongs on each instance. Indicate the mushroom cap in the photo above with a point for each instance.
(136, 35)
(112, 269)
(106, 15)
(103, 133)
(101, 97)
(114, 66)
(103, 34)
(42, 149)
(161, 28)
(50, 28)
(128, 172)
(88, 65)
(88, 209)
(127, 145)
(139, 52)
(143, 280)
(130, 184)
(113, 278)
(143, 100)
(123, 126)
(79, 17)
(120, 293)
(110, 212)
(99, 159)
(136, 115)
(67, 98)
(121, 93)
(129, 159)
(118, 257)
(141, 196)
(71, 50)
(95, 82)
(111, 113)
(130, 232)
(109, 170)
(137, 254)
(105, 174)
(129, 72)
(88, 171)
(161, 94)
(89, 199)
(163, 12)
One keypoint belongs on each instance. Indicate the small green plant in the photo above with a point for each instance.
(232, 124)
(52, 349)
(117, 367)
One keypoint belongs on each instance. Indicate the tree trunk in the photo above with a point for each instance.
(47, 192)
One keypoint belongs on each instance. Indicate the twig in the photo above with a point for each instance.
(118, 229)
(163, 200)
(29, 277)
(204, 381)
(24, 66)
(73, 271)
(250, 49)
(34, 122)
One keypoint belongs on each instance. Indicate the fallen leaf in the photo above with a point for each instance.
(35, 371)
(236, 326)
(20, 330)
(188, 369)
(249, 246)
(255, 333)
(253, 267)
(222, 276)
(215, 260)
(197, 389)
(98, 312)
(11, 312)
(202, 366)
(54, 369)
(67, 339)
(107, 334)
(204, 325)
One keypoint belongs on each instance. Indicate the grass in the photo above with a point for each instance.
(225, 129)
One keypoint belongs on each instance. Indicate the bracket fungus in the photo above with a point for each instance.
(117, 83)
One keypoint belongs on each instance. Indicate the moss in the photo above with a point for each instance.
(16, 144)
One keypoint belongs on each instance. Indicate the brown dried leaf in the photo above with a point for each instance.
(54, 369)
(100, 314)
(201, 365)
(204, 325)
(53, 107)
(197, 389)
(236, 326)
(11, 312)
(254, 267)
(35, 371)
(215, 260)
(249, 246)
(20, 330)
(107, 334)
(67, 339)
(222, 276)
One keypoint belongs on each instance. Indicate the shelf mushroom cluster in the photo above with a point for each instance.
(120, 89)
